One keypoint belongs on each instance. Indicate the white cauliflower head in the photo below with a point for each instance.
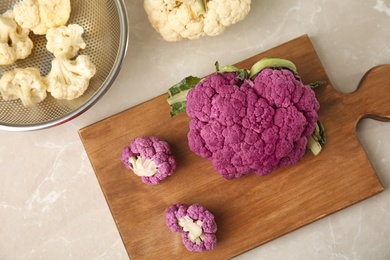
(40, 15)
(192, 19)
(24, 84)
(69, 79)
(14, 41)
(65, 40)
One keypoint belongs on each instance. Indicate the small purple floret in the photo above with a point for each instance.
(195, 212)
(154, 149)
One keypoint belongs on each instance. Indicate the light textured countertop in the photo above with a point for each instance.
(51, 205)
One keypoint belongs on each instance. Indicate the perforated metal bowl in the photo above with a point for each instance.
(105, 24)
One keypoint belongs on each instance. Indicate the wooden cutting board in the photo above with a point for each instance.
(252, 210)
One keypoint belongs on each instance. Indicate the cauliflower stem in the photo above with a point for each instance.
(317, 139)
(269, 62)
(198, 7)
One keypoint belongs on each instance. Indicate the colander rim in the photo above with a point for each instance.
(123, 46)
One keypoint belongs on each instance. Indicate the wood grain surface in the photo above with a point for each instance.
(252, 210)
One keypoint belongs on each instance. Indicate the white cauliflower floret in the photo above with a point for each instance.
(184, 24)
(222, 14)
(65, 40)
(192, 19)
(24, 84)
(14, 41)
(40, 15)
(69, 79)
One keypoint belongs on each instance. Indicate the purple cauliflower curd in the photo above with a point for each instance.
(150, 158)
(255, 120)
(196, 225)
(247, 126)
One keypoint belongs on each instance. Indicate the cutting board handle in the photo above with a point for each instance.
(372, 97)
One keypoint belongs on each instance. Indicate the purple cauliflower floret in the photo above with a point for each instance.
(247, 125)
(150, 158)
(196, 225)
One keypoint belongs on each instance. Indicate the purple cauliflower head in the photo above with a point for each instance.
(150, 158)
(196, 225)
(247, 125)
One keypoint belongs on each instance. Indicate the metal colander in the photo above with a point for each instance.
(106, 37)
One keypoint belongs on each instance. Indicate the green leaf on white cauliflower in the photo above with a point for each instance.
(40, 15)
(24, 84)
(14, 41)
(192, 19)
(69, 79)
(65, 40)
